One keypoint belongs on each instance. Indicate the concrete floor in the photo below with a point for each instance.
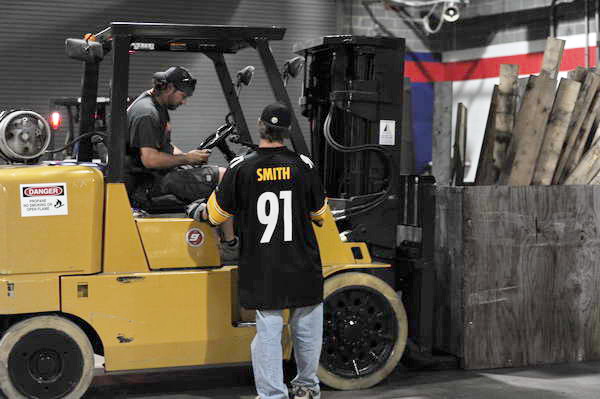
(572, 381)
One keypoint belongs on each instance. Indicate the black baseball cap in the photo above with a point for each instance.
(277, 115)
(180, 77)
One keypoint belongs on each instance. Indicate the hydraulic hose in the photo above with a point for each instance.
(381, 196)
(75, 140)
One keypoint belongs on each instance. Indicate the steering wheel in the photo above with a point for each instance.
(217, 137)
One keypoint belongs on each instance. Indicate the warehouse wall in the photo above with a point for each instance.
(34, 68)
(467, 55)
(373, 18)
(480, 44)
(490, 22)
(482, 22)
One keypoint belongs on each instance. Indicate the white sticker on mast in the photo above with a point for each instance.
(387, 132)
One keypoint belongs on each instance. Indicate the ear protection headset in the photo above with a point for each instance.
(160, 81)
(178, 76)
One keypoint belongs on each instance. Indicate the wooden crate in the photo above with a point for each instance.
(518, 274)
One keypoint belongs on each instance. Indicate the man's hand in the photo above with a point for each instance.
(154, 159)
(195, 210)
(196, 157)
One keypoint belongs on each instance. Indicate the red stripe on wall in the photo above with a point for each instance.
(425, 71)
(490, 67)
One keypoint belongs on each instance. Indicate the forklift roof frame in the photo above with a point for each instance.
(211, 40)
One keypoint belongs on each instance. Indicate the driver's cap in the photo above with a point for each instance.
(277, 115)
(180, 77)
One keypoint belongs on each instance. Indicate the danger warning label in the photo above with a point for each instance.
(47, 199)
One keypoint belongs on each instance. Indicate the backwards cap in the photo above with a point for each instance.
(277, 115)
(179, 77)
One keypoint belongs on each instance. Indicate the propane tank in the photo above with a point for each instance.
(24, 135)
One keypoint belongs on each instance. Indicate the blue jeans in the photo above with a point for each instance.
(307, 335)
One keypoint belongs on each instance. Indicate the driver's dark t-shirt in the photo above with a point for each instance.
(149, 126)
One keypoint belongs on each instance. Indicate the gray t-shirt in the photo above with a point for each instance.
(149, 126)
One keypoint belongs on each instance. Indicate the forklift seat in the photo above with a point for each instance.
(167, 203)
(141, 198)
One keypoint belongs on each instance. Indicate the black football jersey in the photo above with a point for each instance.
(273, 193)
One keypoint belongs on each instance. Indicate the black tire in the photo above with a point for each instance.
(45, 357)
(364, 331)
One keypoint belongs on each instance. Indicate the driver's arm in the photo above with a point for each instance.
(154, 159)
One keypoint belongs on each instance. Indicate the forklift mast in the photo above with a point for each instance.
(357, 82)
(352, 96)
(353, 99)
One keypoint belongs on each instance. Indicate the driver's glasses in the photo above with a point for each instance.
(191, 83)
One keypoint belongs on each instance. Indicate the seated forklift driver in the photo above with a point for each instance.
(155, 167)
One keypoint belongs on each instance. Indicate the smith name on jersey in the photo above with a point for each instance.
(278, 173)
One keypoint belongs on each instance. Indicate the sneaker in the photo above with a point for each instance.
(305, 393)
(230, 253)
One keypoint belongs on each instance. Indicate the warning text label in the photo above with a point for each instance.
(48, 199)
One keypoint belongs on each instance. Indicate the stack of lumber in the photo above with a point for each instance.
(540, 131)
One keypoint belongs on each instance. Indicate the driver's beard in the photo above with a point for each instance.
(172, 107)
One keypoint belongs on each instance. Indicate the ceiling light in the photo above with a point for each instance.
(451, 13)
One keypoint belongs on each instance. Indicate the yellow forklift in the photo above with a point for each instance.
(82, 274)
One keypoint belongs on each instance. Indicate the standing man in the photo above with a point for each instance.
(155, 166)
(274, 193)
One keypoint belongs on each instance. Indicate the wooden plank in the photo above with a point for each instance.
(442, 132)
(532, 136)
(448, 264)
(487, 172)
(583, 135)
(531, 276)
(521, 87)
(582, 105)
(594, 133)
(491, 280)
(556, 132)
(524, 118)
(578, 74)
(552, 57)
(505, 112)
(529, 133)
(587, 169)
(596, 179)
(460, 145)
(463, 122)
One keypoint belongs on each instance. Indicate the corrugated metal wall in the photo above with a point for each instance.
(34, 68)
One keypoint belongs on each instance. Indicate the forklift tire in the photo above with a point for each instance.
(45, 357)
(364, 331)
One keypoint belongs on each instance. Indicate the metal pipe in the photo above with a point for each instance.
(587, 34)
(118, 105)
(597, 14)
(553, 18)
(87, 122)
